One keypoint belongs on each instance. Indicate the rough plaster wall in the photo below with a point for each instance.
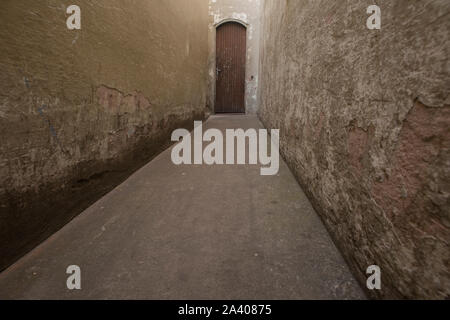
(364, 118)
(78, 109)
(247, 11)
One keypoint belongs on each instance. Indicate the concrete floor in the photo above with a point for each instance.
(191, 232)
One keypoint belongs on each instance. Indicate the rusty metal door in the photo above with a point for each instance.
(231, 40)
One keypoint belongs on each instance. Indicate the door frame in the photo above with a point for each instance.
(214, 64)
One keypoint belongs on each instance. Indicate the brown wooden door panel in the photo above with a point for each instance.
(230, 67)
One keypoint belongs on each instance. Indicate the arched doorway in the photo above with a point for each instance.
(231, 40)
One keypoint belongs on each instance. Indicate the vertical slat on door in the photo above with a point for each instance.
(231, 57)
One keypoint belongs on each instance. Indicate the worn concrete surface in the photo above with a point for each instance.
(364, 117)
(191, 232)
(85, 107)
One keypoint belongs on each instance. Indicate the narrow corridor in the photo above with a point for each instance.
(355, 96)
(191, 232)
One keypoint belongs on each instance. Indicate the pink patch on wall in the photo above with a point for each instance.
(109, 98)
(419, 144)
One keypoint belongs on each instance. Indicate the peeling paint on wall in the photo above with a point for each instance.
(364, 118)
(112, 94)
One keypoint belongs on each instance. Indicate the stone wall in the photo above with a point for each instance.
(364, 118)
(81, 109)
(247, 12)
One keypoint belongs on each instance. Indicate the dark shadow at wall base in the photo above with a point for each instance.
(29, 218)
